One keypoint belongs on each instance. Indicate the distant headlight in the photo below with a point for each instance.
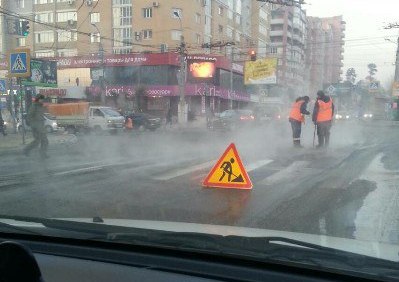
(109, 121)
(337, 116)
(347, 117)
(5, 123)
(55, 124)
(367, 115)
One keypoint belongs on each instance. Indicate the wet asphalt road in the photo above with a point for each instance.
(348, 190)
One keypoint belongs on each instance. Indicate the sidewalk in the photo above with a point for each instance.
(13, 142)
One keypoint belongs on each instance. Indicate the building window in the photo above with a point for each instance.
(66, 16)
(121, 2)
(95, 18)
(44, 53)
(197, 18)
(198, 38)
(220, 11)
(263, 30)
(95, 37)
(176, 34)
(263, 14)
(220, 29)
(43, 1)
(20, 4)
(238, 36)
(147, 13)
(67, 35)
(125, 50)
(67, 52)
(230, 14)
(123, 37)
(176, 13)
(22, 42)
(44, 37)
(238, 19)
(122, 16)
(273, 50)
(147, 34)
(47, 17)
(229, 32)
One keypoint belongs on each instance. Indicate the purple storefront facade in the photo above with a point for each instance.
(158, 79)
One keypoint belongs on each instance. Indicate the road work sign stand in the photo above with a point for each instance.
(228, 172)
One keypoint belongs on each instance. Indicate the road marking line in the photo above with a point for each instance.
(291, 171)
(257, 164)
(179, 172)
(79, 170)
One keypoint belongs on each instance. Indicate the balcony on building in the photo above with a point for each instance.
(277, 33)
(277, 21)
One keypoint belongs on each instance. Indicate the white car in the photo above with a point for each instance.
(50, 123)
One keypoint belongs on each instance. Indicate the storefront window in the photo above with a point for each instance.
(147, 75)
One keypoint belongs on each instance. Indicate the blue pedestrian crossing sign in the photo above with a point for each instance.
(19, 63)
(3, 88)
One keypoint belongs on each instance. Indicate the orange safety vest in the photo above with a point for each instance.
(296, 111)
(129, 123)
(325, 111)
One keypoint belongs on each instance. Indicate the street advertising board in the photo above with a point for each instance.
(395, 89)
(200, 71)
(43, 73)
(262, 71)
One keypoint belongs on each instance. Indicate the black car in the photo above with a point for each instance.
(143, 121)
(231, 119)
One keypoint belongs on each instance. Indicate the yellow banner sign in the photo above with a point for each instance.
(262, 71)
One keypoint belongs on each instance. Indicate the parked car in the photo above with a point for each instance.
(144, 121)
(232, 119)
(50, 123)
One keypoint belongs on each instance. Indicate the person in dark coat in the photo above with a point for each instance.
(35, 119)
(2, 128)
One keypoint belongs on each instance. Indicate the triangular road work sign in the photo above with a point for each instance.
(228, 172)
(18, 64)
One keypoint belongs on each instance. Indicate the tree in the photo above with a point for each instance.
(372, 70)
(351, 75)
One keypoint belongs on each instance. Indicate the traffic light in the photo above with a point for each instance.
(252, 55)
(25, 28)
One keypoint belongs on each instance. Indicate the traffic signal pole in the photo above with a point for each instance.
(21, 109)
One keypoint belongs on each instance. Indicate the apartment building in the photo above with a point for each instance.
(325, 49)
(287, 43)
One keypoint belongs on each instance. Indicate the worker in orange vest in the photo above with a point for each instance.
(323, 113)
(297, 117)
(129, 124)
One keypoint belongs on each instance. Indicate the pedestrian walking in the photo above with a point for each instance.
(36, 119)
(323, 113)
(2, 127)
(297, 117)
(169, 117)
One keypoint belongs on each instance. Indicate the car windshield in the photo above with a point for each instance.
(225, 117)
(110, 112)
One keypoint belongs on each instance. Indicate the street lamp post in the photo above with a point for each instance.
(101, 51)
(182, 111)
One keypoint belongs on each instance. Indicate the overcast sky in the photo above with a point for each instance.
(365, 36)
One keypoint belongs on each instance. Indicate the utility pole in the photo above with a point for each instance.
(397, 63)
(101, 51)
